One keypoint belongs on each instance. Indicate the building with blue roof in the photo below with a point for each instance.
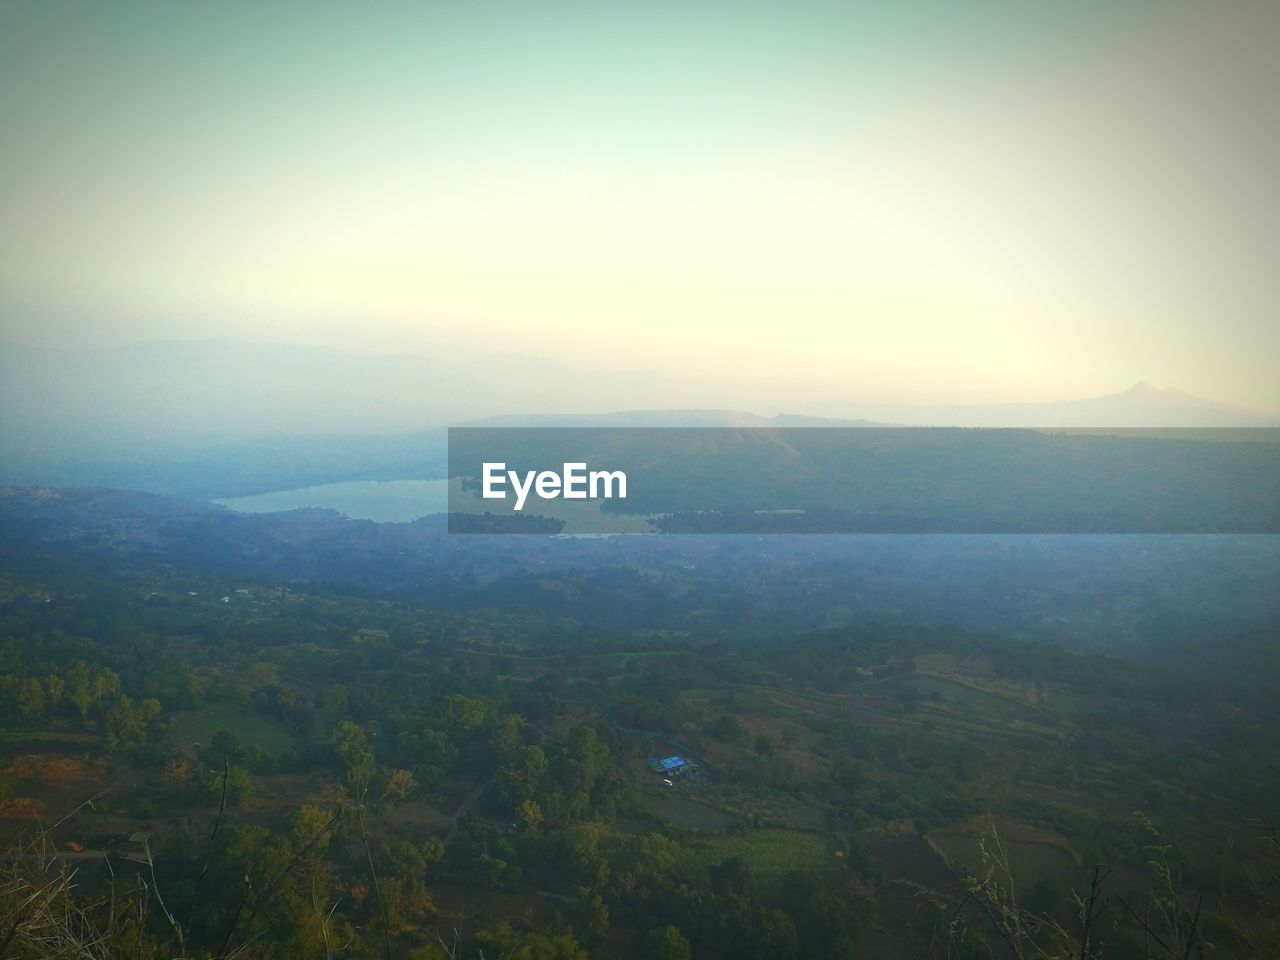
(668, 765)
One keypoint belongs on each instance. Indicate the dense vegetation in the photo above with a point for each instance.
(272, 766)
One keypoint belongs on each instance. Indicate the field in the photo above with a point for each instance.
(199, 726)
(689, 814)
(770, 853)
(1029, 860)
(47, 741)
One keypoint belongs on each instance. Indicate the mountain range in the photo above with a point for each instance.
(214, 419)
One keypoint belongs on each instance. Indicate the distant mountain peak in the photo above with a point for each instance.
(1146, 390)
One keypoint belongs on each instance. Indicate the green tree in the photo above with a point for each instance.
(522, 779)
(128, 725)
(226, 745)
(351, 745)
(239, 786)
(531, 816)
(54, 689)
(86, 687)
(727, 728)
(667, 943)
(466, 712)
(31, 698)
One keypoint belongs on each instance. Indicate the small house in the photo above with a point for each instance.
(668, 765)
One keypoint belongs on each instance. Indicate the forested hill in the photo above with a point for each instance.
(1172, 598)
(289, 763)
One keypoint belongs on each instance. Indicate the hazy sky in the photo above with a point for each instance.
(933, 201)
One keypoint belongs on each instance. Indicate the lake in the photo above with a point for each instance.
(389, 501)
(400, 501)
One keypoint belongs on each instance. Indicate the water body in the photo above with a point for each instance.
(400, 501)
(390, 501)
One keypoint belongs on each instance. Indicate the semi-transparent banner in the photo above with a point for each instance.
(758, 480)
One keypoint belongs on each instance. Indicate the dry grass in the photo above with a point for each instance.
(50, 768)
(21, 808)
(45, 916)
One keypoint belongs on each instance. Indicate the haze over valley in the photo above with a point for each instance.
(219, 419)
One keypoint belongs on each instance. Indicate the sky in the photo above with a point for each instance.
(927, 202)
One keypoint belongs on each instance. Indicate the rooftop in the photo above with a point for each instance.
(670, 763)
